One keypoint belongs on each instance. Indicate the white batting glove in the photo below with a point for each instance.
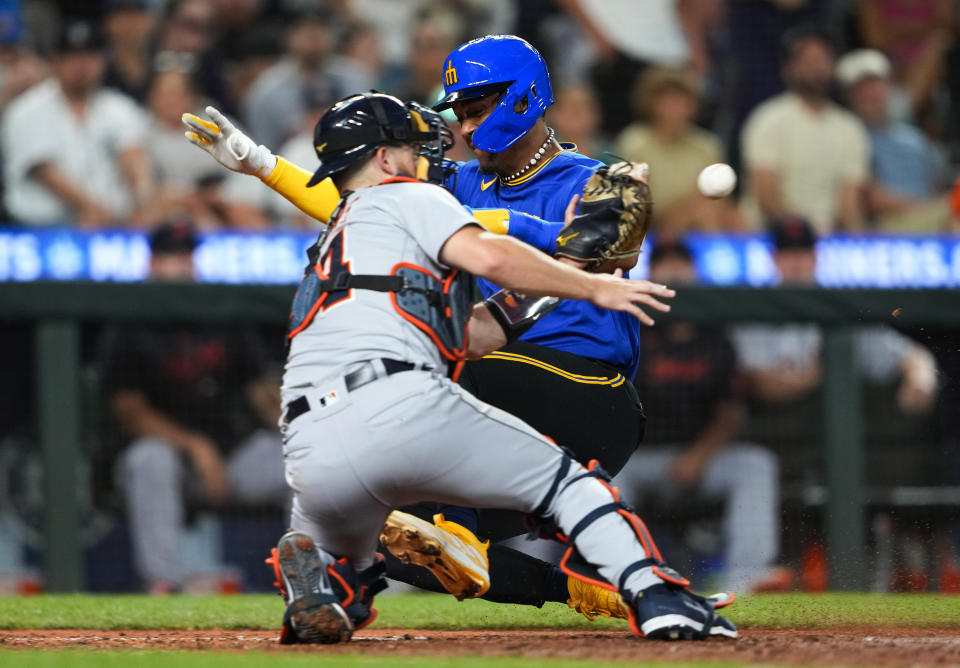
(228, 145)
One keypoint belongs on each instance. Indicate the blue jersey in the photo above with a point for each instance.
(577, 327)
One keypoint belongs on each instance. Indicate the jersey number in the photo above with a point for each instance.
(309, 298)
(333, 264)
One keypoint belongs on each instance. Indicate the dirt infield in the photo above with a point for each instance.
(839, 646)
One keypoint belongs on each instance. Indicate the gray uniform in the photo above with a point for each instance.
(415, 435)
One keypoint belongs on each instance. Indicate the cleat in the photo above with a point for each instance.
(667, 612)
(723, 628)
(314, 613)
(450, 551)
(591, 600)
(355, 591)
(274, 562)
(722, 599)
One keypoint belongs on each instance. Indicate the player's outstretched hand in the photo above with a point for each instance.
(616, 293)
(228, 145)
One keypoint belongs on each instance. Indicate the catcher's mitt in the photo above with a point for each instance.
(615, 213)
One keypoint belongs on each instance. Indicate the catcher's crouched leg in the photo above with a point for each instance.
(658, 602)
(324, 605)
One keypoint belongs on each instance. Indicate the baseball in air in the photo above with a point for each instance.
(717, 180)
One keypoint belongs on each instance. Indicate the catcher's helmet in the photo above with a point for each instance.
(493, 64)
(357, 125)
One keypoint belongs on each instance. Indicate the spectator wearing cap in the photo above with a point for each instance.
(127, 25)
(676, 149)
(903, 191)
(74, 151)
(274, 104)
(195, 409)
(803, 154)
(694, 401)
(171, 252)
(782, 362)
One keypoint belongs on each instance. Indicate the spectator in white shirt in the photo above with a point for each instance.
(782, 361)
(803, 154)
(74, 151)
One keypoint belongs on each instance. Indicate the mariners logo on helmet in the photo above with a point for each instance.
(450, 74)
(499, 64)
(355, 126)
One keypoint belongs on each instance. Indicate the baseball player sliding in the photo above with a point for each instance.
(578, 355)
(373, 420)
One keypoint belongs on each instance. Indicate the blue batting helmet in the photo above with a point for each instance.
(494, 64)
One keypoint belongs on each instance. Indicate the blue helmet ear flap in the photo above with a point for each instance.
(524, 101)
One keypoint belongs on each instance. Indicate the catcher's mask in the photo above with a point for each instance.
(499, 64)
(355, 126)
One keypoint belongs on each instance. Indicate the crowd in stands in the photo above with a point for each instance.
(838, 112)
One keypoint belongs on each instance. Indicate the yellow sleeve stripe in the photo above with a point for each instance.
(616, 381)
(291, 181)
(493, 220)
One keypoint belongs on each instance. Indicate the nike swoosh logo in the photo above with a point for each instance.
(562, 240)
(484, 186)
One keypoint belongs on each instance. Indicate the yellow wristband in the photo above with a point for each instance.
(493, 220)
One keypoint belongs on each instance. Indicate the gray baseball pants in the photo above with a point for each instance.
(416, 436)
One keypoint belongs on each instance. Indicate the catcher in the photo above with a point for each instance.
(568, 375)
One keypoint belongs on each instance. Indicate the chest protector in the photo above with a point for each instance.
(440, 308)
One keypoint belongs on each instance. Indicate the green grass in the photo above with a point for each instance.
(263, 611)
(125, 659)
